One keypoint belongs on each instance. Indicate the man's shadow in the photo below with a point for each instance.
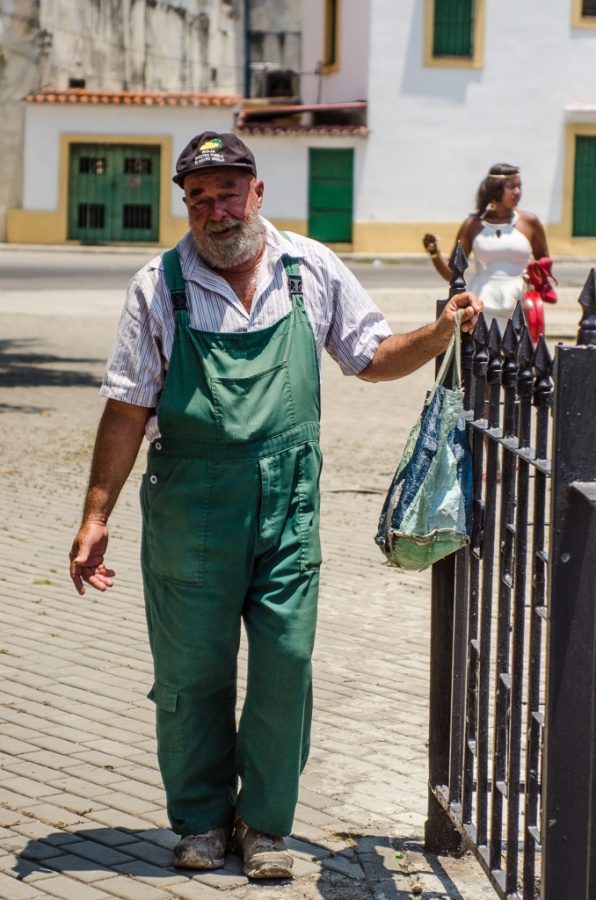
(374, 865)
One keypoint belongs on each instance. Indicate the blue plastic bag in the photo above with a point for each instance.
(428, 510)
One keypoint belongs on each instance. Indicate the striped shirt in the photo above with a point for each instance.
(345, 321)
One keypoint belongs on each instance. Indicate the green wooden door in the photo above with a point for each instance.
(113, 192)
(584, 187)
(330, 195)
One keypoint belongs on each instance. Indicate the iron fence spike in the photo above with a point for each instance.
(481, 332)
(542, 360)
(458, 265)
(525, 349)
(587, 299)
(495, 338)
(518, 319)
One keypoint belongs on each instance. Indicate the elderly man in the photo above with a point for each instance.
(216, 361)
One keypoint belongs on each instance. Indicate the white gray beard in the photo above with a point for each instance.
(239, 247)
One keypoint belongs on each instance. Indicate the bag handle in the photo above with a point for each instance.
(453, 350)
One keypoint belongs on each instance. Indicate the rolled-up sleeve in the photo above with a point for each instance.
(357, 324)
(135, 368)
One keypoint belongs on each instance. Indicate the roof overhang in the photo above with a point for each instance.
(131, 98)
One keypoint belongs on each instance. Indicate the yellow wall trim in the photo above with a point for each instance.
(331, 35)
(565, 230)
(406, 237)
(577, 19)
(454, 62)
(44, 227)
(369, 238)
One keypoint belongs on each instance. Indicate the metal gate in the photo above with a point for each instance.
(113, 192)
(512, 752)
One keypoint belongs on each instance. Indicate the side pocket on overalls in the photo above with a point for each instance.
(310, 474)
(168, 717)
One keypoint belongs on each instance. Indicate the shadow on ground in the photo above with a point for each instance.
(20, 367)
(382, 868)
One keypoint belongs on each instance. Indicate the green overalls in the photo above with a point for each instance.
(230, 506)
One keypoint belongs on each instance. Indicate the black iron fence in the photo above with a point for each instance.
(512, 752)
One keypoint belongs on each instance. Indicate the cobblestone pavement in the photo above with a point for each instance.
(81, 802)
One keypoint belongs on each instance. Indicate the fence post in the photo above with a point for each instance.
(440, 834)
(569, 734)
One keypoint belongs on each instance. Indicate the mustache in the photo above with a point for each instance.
(224, 225)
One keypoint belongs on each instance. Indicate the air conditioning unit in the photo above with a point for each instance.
(269, 80)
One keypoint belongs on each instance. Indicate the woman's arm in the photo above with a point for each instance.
(466, 234)
(538, 239)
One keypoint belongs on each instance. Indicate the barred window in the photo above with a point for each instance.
(138, 165)
(453, 33)
(91, 215)
(136, 215)
(92, 165)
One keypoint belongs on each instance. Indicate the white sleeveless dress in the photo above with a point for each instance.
(501, 253)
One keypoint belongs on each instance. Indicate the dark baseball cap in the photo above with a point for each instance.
(210, 149)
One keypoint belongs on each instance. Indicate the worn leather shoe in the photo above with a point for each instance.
(203, 851)
(264, 855)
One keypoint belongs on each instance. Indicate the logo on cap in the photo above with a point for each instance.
(210, 152)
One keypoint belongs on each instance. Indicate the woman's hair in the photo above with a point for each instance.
(493, 185)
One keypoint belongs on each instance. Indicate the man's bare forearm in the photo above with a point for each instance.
(402, 354)
(119, 437)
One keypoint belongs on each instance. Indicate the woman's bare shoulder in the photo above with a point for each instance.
(529, 217)
(471, 226)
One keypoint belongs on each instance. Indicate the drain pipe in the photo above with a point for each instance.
(247, 48)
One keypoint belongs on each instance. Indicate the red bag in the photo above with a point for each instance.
(534, 313)
(539, 279)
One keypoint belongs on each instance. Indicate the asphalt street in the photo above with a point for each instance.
(96, 267)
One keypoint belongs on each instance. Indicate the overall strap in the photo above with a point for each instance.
(175, 279)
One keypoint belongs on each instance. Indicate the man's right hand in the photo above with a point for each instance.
(87, 556)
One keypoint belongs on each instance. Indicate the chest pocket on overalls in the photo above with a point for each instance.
(256, 407)
(176, 493)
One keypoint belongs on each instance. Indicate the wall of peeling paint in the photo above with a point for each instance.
(136, 45)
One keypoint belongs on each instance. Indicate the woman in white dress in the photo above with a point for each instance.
(502, 240)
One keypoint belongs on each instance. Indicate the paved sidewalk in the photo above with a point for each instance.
(81, 803)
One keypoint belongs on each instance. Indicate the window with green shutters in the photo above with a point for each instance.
(453, 30)
(584, 187)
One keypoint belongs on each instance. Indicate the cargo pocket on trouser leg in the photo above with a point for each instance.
(168, 718)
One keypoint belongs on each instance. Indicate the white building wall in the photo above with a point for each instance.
(45, 122)
(436, 131)
(350, 81)
(282, 163)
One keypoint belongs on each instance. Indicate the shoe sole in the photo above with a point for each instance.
(199, 864)
(269, 871)
(269, 868)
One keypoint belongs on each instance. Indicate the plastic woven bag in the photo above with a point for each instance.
(428, 511)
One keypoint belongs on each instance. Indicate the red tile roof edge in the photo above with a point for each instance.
(132, 98)
(311, 130)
